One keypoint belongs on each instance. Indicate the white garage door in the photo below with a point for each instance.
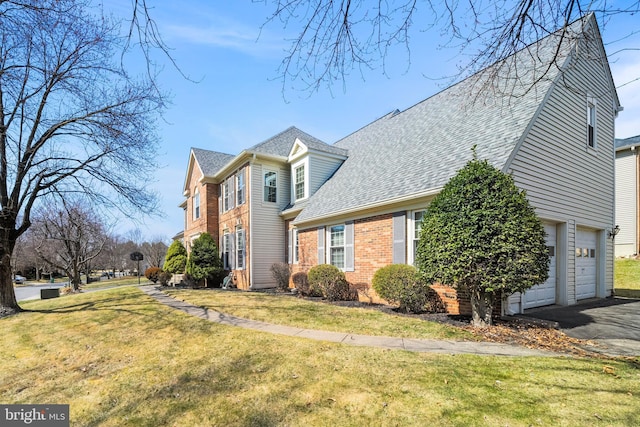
(545, 293)
(586, 260)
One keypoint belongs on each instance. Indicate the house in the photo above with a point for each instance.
(627, 241)
(239, 199)
(358, 204)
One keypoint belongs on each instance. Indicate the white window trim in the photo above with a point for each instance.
(241, 173)
(328, 246)
(225, 195)
(304, 162)
(225, 250)
(411, 229)
(240, 232)
(592, 104)
(196, 206)
(295, 246)
(264, 175)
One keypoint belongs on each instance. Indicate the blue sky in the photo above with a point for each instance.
(237, 99)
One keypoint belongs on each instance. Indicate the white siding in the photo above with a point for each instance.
(267, 227)
(565, 181)
(626, 202)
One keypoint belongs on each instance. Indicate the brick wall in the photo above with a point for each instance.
(373, 246)
(228, 221)
(208, 220)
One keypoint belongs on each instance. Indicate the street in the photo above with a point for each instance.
(33, 291)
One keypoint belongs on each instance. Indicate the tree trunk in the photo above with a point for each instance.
(481, 308)
(8, 303)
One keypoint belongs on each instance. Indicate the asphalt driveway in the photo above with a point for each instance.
(614, 323)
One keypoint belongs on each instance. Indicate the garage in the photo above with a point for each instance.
(545, 293)
(586, 261)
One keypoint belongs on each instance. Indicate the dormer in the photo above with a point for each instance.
(312, 163)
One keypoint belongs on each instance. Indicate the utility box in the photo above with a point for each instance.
(49, 293)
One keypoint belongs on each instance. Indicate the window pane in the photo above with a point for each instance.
(196, 206)
(240, 193)
(417, 220)
(337, 235)
(240, 248)
(270, 187)
(337, 257)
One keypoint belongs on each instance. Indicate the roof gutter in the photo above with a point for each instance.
(236, 161)
(364, 210)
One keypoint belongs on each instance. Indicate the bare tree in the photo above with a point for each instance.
(72, 120)
(336, 37)
(154, 252)
(70, 237)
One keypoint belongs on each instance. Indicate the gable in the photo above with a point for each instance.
(193, 168)
(413, 153)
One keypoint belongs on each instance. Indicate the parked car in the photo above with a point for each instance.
(19, 280)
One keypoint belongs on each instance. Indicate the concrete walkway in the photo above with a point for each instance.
(409, 344)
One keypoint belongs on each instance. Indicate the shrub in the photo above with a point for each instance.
(175, 260)
(204, 263)
(330, 281)
(281, 272)
(153, 273)
(301, 282)
(363, 289)
(400, 284)
(164, 277)
(481, 235)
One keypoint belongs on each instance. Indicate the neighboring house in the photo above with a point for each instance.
(627, 242)
(358, 204)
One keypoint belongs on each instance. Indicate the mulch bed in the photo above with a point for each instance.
(517, 331)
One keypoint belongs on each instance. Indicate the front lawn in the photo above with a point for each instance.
(627, 278)
(291, 311)
(119, 358)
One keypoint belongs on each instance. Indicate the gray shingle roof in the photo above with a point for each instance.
(627, 142)
(420, 149)
(211, 161)
(281, 144)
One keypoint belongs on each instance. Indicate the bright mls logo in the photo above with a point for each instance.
(34, 415)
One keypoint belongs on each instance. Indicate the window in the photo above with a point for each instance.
(417, 229)
(227, 194)
(414, 229)
(240, 248)
(270, 186)
(336, 246)
(294, 236)
(196, 205)
(226, 250)
(299, 182)
(240, 186)
(591, 123)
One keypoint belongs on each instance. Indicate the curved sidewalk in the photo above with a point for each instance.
(409, 344)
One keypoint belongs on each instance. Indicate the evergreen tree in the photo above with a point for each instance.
(204, 261)
(176, 259)
(480, 234)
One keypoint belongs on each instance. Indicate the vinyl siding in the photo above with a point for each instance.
(564, 179)
(320, 170)
(268, 232)
(626, 202)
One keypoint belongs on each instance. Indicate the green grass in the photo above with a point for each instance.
(627, 278)
(288, 310)
(119, 358)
